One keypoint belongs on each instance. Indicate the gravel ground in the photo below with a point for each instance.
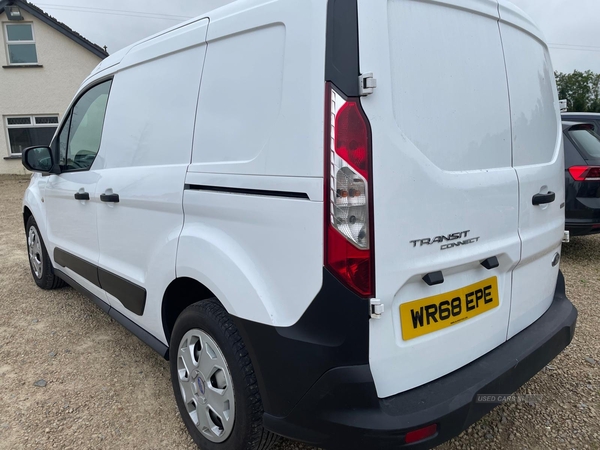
(72, 378)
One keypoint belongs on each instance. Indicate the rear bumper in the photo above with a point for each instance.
(582, 214)
(583, 227)
(342, 410)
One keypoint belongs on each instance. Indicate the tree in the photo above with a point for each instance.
(580, 89)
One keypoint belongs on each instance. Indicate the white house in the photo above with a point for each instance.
(42, 64)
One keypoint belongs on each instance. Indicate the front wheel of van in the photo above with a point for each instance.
(214, 381)
(39, 260)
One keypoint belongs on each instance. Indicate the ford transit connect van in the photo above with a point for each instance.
(340, 221)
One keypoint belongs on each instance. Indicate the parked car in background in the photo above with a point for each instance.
(582, 177)
(593, 118)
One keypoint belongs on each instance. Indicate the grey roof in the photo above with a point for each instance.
(58, 26)
(591, 115)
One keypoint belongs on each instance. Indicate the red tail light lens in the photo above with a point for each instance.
(420, 434)
(351, 140)
(585, 173)
(348, 227)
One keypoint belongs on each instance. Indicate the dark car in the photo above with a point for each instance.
(582, 174)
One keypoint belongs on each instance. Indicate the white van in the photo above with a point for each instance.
(340, 221)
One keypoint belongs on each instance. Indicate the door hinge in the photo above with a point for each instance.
(366, 84)
(567, 237)
(376, 308)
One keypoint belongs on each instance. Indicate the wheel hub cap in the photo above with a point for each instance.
(34, 247)
(206, 385)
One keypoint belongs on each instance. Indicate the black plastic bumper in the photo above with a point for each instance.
(342, 411)
(583, 227)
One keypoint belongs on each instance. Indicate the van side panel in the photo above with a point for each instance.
(262, 96)
(241, 97)
(253, 206)
(259, 254)
(146, 149)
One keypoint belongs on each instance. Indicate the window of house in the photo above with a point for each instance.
(27, 131)
(20, 43)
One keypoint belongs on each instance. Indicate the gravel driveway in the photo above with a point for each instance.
(71, 377)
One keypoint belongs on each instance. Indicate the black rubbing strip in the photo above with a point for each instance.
(132, 296)
(71, 282)
(232, 190)
(80, 266)
(138, 331)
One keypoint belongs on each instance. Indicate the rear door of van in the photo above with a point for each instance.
(539, 163)
(446, 197)
(467, 181)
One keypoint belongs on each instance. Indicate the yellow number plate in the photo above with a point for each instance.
(444, 310)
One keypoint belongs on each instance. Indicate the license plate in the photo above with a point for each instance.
(441, 311)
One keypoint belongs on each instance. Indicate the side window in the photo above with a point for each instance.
(85, 129)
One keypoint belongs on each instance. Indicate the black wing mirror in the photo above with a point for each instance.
(38, 159)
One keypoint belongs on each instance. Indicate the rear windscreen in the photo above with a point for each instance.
(588, 141)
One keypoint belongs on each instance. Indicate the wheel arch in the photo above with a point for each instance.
(181, 293)
(26, 215)
(33, 205)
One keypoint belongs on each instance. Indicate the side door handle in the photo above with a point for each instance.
(82, 196)
(109, 198)
(542, 199)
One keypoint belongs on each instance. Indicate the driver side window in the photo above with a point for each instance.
(79, 140)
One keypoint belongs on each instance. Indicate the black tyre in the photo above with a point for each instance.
(214, 381)
(39, 261)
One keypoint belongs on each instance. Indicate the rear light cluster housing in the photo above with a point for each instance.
(348, 202)
(585, 173)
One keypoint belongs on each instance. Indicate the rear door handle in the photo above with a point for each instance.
(542, 199)
(82, 196)
(109, 198)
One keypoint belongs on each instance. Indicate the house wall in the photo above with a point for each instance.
(40, 90)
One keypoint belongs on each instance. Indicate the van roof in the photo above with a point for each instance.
(227, 8)
(510, 14)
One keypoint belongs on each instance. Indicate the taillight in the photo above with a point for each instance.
(585, 173)
(348, 227)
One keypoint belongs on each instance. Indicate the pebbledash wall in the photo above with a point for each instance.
(45, 90)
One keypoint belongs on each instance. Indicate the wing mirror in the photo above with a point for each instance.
(39, 159)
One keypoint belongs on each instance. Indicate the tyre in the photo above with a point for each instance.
(39, 260)
(214, 381)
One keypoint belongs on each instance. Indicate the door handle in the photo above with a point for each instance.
(82, 196)
(542, 199)
(109, 198)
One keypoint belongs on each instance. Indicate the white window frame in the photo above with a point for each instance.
(30, 125)
(6, 25)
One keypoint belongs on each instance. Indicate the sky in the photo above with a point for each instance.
(571, 27)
